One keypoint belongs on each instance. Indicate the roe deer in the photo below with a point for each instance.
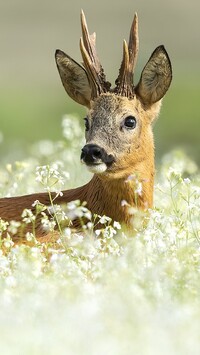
(119, 139)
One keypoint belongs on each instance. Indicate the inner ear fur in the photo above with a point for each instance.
(155, 78)
(74, 78)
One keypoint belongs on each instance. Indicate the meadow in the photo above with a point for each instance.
(104, 291)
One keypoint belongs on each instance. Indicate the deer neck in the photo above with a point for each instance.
(116, 197)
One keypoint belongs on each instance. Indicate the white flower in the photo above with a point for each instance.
(67, 233)
(187, 181)
(28, 216)
(30, 237)
(104, 220)
(124, 203)
(13, 227)
(117, 225)
(71, 128)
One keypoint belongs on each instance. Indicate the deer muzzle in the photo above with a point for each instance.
(96, 158)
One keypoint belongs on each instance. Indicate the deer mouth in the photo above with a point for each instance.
(96, 159)
(97, 168)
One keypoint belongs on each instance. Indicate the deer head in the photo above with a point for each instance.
(118, 123)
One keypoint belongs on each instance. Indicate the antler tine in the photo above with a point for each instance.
(92, 74)
(133, 45)
(91, 61)
(89, 40)
(121, 82)
(124, 82)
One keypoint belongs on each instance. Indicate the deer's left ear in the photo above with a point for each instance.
(74, 78)
(155, 78)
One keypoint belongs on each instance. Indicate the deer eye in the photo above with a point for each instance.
(87, 127)
(130, 122)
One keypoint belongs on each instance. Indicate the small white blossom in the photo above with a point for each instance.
(28, 216)
(187, 181)
(124, 203)
(98, 232)
(104, 220)
(117, 225)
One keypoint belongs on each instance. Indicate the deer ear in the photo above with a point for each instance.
(155, 78)
(74, 78)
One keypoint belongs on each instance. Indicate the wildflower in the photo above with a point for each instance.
(124, 203)
(67, 233)
(3, 226)
(98, 232)
(9, 168)
(104, 220)
(117, 225)
(187, 181)
(7, 242)
(39, 207)
(49, 176)
(13, 227)
(28, 216)
(30, 237)
(48, 225)
(71, 128)
(90, 225)
(174, 174)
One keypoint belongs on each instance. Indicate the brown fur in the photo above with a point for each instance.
(132, 149)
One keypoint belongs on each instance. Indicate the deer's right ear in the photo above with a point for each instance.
(74, 78)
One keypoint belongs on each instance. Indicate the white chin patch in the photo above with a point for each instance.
(97, 169)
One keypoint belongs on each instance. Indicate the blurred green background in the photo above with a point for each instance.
(32, 100)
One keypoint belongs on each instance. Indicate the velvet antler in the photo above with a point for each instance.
(91, 62)
(124, 82)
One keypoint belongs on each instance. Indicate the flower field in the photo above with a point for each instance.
(103, 291)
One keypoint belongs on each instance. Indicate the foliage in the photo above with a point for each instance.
(104, 291)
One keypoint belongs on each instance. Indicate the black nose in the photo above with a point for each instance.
(91, 154)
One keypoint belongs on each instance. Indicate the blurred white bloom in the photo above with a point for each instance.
(67, 233)
(88, 214)
(28, 216)
(3, 225)
(98, 232)
(174, 173)
(187, 181)
(30, 237)
(13, 226)
(7, 242)
(9, 168)
(11, 281)
(124, 203)
(105, 220)
(71, 128)
(47, 225)
(45, 147)
(117, 225)
(90, 225)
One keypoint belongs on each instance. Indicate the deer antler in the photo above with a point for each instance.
(124, 82)
(91, 62)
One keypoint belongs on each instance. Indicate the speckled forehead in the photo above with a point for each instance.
(111, 106)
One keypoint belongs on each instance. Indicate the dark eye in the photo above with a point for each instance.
(130, 122)
(87, 127)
